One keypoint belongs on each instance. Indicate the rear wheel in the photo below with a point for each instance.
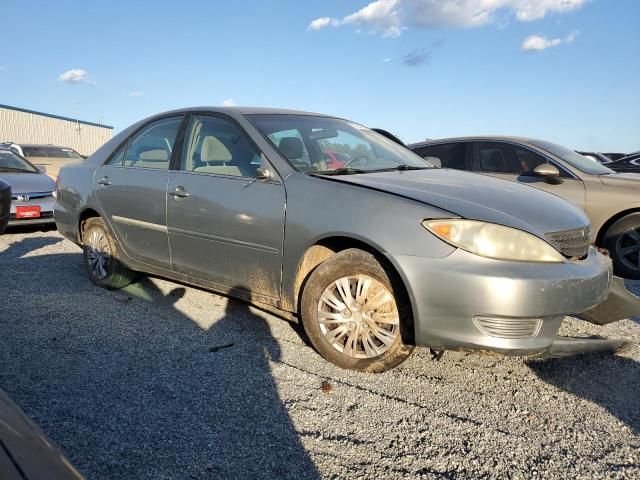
(100, 260)
(353, 313)
(623, 241)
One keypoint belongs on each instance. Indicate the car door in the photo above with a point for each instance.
(225, 225)
(131, 188)
(515, 163)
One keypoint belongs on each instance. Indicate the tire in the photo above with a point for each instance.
(99, 251)
(622, 239)
(351, 336)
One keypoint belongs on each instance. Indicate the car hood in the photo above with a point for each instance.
(28, 182)
(478, 197)
(626, 180)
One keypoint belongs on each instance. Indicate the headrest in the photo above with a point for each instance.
(496, 159)
(291, 147)
(213, 150)
(153, 155)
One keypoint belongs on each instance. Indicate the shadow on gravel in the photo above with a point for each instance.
(137, 389)
(607, 380)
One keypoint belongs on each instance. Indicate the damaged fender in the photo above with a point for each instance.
(619, 305)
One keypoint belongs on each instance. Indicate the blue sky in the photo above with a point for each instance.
(562, 70)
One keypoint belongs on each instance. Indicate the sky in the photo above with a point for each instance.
(567, 71)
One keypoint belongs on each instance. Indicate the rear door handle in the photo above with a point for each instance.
(179, 192)
(104, 181)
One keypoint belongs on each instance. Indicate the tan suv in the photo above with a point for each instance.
(611, 200)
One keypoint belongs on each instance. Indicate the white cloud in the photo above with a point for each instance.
(136, 93)
(228, 103)
(320, 23)
(3, 69)
(387, 60)
(75, 75)
(537, 43)
(392, 17)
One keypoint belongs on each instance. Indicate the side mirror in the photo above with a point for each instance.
(546, 171)
(263, 173)
(42, 168)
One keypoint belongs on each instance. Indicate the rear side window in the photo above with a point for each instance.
(51, 152)
(153, 145)
(451, 155)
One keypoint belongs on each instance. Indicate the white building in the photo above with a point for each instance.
(19, 125)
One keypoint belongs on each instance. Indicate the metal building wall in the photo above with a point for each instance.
(32, 127)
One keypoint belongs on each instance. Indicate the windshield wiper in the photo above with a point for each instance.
(400, 168)
(341, 171)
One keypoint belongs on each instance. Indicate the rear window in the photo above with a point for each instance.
(53, 152)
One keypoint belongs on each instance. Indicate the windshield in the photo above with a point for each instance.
(10, 162)
(332, 146)
(578, 161)
(53, 152)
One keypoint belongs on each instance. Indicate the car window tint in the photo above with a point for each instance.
(152, 146)
(299, 157)
(118, 157)
(498, 157)
(216, 146)
(53, 152)
(451, 155)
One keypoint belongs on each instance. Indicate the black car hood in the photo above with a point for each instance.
(478, 197)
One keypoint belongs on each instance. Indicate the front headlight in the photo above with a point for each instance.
(493, 241)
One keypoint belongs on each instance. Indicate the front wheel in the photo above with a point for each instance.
(622, 239)
(353, 313)
(100, 260)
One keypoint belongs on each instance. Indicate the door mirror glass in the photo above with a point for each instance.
(42, 169)
(263, 173)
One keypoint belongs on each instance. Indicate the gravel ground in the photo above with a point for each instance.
(131, 389)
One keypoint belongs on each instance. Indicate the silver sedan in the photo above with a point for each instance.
(373, 250)
(31, 190)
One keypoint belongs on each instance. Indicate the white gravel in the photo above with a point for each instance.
(130, 389)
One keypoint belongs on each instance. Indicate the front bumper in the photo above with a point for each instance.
(465, 301)
(46, 212)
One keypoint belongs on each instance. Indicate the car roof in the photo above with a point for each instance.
(244, 111)
(489, 138)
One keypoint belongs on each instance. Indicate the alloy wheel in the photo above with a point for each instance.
(628, 247)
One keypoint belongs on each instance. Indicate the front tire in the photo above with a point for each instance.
(622, 239)
(100, 260)
(353, 313)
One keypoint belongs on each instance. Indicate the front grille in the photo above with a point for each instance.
(571, 243)
(510, 328)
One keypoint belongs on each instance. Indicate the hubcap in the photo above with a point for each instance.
(98, 254)
(628, 248)
(358, 316)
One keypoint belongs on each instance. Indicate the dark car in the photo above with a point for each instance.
(5, 204)
(611, 200)
(374, 257)
(630, 163)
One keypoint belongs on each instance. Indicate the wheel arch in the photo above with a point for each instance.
(606, 225)
(328, 246)
(85, 215)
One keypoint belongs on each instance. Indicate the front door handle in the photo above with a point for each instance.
(104, 181)
(179, 192)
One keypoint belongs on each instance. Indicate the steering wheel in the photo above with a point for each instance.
(361, 158)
